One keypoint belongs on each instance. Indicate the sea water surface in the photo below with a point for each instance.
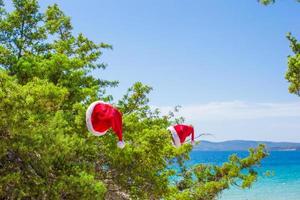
(283, 184)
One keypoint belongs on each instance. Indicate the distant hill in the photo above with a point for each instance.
(243, 145)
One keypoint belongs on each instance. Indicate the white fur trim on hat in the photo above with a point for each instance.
(88, 116)
(121, 144)
(175, 137)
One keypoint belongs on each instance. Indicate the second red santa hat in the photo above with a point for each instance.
(180, 132)
(101, 116)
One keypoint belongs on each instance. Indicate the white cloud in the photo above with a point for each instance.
(236, 110)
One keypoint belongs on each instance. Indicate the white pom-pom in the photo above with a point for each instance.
(121, 144)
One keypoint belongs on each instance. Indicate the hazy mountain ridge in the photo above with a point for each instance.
(243, 145)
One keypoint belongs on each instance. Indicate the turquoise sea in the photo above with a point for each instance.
(284, 184)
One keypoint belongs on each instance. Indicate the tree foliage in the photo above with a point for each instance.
(45, 149)
(268, 2)
(293, 72)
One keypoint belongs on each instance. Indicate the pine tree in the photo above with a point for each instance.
(45, 149)
(293, 71)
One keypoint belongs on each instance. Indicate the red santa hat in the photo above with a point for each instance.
(101, 116)
(180, 132)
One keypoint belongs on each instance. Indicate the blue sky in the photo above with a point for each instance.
(223, 61)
